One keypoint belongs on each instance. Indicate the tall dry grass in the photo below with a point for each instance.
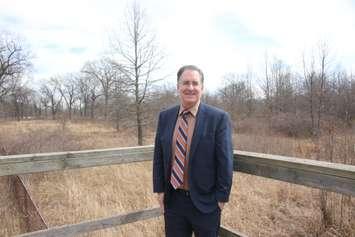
(12, 220)
(78, 195)
(257, 207)
(326, 210)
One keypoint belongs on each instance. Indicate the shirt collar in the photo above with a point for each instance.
(193, 110)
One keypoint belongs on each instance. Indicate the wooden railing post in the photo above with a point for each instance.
(33, 219)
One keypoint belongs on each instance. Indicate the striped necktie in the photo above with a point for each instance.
(177, 170)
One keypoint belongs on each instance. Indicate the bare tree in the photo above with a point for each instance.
(309, 74)
(283, 87)
(90, 91)
(341, 98)
(120, 100)
(44, 99)
(323, 58)
(103, 71)
(83, 92)
(165, 95)
(267, 88)
(35, 100)
(51, 96)
(162, 96)
(138, 59)
(316, 84)
(14, 61)
(21, 99)
(352, 97)
(67, 89)
(237, 95)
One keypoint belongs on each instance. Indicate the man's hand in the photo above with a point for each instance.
(160, 198)
(221, 205)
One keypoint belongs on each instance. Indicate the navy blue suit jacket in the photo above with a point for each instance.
(210, 158)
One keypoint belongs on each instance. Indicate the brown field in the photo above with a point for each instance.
(257, 207)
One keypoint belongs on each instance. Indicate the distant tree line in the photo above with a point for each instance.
(121, 88)
(293, 101)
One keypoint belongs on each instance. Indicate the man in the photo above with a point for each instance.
(193, 167)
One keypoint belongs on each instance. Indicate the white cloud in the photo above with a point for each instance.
(299, 25)
(188, 31)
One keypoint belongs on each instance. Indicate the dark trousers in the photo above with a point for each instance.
(182, 218)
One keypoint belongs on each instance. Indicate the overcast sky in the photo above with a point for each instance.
(219, 36)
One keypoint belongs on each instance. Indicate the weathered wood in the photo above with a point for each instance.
(88, 226)
(33, 218)
(318, 174)
(330, 176)
(32, 163)
(227, 232)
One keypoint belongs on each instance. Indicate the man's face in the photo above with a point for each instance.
(190, 88)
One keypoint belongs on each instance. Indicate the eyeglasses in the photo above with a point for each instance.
(190, 83)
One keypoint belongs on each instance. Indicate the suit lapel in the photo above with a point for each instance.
(170, 130)
(198, 131)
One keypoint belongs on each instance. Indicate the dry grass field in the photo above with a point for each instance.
(257, 207)
(11, 221)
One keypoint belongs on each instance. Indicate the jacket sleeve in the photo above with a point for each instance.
(224, 153)
(158, 162)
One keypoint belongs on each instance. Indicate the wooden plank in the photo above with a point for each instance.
(335, 169)
(317, 174)
(32, 163)
(99, 224)
(227, 232)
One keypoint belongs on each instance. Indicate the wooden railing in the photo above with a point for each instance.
(318, 174)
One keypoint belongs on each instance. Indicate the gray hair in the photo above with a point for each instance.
(192, 68)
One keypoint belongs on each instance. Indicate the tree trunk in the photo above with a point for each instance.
(106, 106)
(139, 125)
(117, 120)
(92, 110)
(70, 111)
